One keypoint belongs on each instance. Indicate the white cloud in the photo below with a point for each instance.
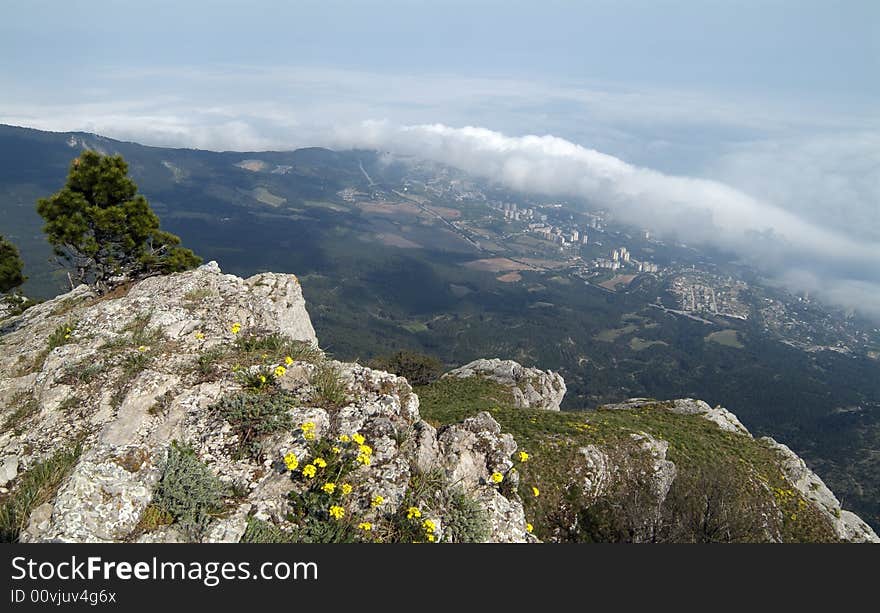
(787, 184)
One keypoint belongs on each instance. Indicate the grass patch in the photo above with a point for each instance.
(33, 488)
(330, 389)
(727, 338)
(743, 472)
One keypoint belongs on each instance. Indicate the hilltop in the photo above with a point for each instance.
(199, 407)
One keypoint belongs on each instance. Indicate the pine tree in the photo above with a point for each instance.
(99, 226)
(10, 266)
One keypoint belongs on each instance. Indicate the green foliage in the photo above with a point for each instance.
(33, 488)
(312, 503)
(251, 345)
(255, 416)
(10, 266)
(103, 229)
(188, 491)
(259, 531)
(417, 368)
(61, 335)
(465, 521)
(330, 389)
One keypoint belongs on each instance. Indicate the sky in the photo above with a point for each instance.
(752, 125)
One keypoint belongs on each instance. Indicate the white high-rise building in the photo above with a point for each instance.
(575, 236)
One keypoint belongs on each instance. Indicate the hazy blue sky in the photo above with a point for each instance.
(776, 103)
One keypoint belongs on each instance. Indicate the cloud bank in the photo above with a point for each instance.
(807, 256)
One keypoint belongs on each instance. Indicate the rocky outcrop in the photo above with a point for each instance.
(531, 387)
(720, 416)
(848, 526)
(119, 377)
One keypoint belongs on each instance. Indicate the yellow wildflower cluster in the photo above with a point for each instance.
(413, 512)
(235, 328)
(320, 462)
(291, 461)
(346, 489)
(365, 452)
(310, 471)
(200, 336)
(377, 500)
(536, 492)
(308, 430)
(142, 348)
(496, 477)
(523, 456)
(329, 487)
(365, 526)
(279, 371)
(344, 438)
(337, 512)
(288, 360)
(529, 528)
(429, 527)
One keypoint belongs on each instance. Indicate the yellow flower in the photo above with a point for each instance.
(536, 492)
(66, 336)
(523, 456)
(366, 449)
(264, 356)
(142, 348)
(344, 438)
(496, 477)
(337, 512)
(346, 489)
(429, 526)
(431, 538)
(279, 371)
(358, 438)
(200, 336)
(413, 512)
(262, 378)
(236, 328)
(329, 487)
(529, 528)
(365, 526)
(308, 430)
(335, 449)
(363, 459)
(288, 360)
(291, 461)
(310, 471)
(377, 500)
(320, 462)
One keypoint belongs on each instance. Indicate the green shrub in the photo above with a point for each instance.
(33, 488)
(259, 531)
(255, 416)
(417, 368)
(465, 521)
(277, 346)
(188, 491)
